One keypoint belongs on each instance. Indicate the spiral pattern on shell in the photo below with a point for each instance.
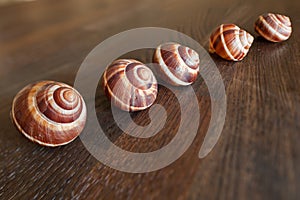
(49, 113)
(273, 27)
(177, 64)
(130, 85)
(230, 42)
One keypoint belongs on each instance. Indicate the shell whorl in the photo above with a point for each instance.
(49, 113)
(177, 64)
(130, 85)
(273, 27)
(230, 42)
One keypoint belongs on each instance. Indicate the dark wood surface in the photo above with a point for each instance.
(257, 155)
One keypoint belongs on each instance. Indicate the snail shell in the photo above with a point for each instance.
(230, 42)
(273, 27)
(130, 85)
(177, 64)
(49, 113)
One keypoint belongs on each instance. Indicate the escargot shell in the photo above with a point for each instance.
(274, 27)
(177, 64)
(230, 42)
(49, 113)
(130, 85)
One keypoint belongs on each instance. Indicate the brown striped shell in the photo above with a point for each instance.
(230, 42)
(130, 85)
(177, 64)
(49, 113)
(273, 27)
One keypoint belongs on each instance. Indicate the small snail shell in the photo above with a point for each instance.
(49, 113)
(130, 85)
(177, 65)
(273, 27)
(230, 42)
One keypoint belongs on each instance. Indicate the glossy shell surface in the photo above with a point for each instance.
(130, 85)
(177, 64)
(49, 113)
(274, 27)
(230, 42)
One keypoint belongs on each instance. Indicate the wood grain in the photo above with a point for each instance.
(257, 155)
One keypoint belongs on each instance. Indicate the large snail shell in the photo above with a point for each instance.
(273, 27)
(177, 65)
(49, 113)
(130, 85)
(230, 42)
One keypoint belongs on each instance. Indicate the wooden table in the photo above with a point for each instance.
(257, 155)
